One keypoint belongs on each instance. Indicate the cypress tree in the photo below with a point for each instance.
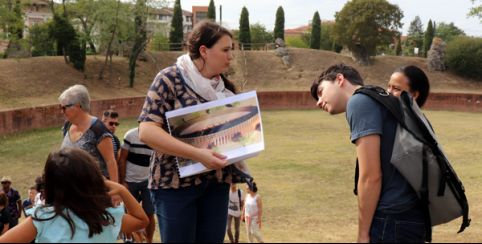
(244, 31)
(176, 35)
(212, 11)
(315, 31)
(279, 25)
(398, 48)
(429, 35)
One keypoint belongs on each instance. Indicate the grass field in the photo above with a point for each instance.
(305, 175)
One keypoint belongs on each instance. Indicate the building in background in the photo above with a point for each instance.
(199, 13)
(159, 21)
(36, 12)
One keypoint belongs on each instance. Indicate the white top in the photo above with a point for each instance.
(251, 206)
(234, 203)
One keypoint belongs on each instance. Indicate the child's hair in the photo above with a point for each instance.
(73, 181)
(3, 199)
(253, 187)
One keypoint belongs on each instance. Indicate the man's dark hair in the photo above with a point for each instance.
(417, 81)
(350, 74)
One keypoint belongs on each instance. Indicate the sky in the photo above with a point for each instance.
(300, 12)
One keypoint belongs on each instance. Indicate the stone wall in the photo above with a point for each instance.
(49, 116)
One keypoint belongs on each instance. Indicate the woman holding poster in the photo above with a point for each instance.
(194, 208)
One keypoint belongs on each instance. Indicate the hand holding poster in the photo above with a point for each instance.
(230, 126)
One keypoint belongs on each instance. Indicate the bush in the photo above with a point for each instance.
(295, 41)
(464, 56)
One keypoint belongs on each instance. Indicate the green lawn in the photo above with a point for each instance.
(305, 175)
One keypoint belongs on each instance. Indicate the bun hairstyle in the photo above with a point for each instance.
(253, 187)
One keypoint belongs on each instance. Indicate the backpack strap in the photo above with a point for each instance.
(66, 127)
(386, 100)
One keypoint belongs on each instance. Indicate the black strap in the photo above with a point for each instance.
(239, 198)
(424, 199)
(357, 176)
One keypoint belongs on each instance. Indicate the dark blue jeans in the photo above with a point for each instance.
(192, 214)
(408, 226)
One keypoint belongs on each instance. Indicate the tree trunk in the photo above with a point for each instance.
(109, 47)
(87, 33)
(360, 55)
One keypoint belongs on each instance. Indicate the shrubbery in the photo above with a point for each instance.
(464, 56)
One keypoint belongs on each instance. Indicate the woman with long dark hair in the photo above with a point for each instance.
(190, 209)
(411, 79)
(78, 205)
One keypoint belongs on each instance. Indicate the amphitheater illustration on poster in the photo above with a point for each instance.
(230, 126)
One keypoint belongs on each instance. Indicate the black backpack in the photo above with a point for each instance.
(418, 157)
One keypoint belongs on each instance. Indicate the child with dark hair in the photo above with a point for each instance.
(252, 213)
(4, 214)
(78, 205)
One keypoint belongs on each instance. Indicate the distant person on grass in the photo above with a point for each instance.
(411, 79)
(253, 213)
(14, 200)
(110, 118)
(78, 206)
(389, 209)
(30, 201)
(4, 214)
(134, 173)
(85, 131)
(195, 208)
(236, 200)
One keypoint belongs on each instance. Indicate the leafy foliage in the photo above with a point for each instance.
(176, 35)
(415, 36)
(42, 43)
(260, 36)
(279, 25)
(464, 56)
(427, 40)
(448, 31)
(362, 25)
(211, 11)
(244, 30)
(315, 31)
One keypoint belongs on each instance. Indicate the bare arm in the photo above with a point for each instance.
(122, 165)
(260, 209)
(106, 149)
(24, 232)
(135, 218)
(159, 140)
(369, 182)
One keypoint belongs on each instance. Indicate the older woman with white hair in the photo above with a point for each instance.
(85, 131)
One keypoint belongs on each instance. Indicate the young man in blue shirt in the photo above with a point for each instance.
(389, 209)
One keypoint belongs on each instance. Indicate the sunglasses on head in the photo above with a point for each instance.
(111, 114)
(114, 123)
(64, 107)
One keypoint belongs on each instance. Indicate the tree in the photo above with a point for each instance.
(86, 12)
(362, 25)
(244, 31)
(279, 24)
(67, 41)
(414, 36)
(315, 31)
(41, 42)
(212, 11)
(260, 36)
(427, 40)
(476, 11)
(11, 19)
(448, 31)
(113, 32)
(176, 36)
(140, 37)
(328, 41)
(398, 47)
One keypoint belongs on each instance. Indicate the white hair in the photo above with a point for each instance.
(76, 94)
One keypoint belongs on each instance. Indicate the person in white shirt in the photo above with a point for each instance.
(236, 199)
(252, 213)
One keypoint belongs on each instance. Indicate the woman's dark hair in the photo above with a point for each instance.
(73, 181)
(253, 187)
(3, 199)
(417, 81)
(207, 33)
(39, 184)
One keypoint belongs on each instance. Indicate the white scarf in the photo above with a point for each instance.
(209, 89)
